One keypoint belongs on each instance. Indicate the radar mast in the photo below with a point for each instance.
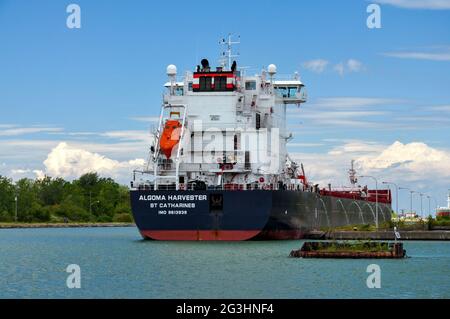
(227, 55)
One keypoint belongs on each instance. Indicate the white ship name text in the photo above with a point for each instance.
(172, 197)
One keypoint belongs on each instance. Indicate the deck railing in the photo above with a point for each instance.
(232, 187)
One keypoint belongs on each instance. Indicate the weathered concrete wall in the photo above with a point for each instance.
(382, 235)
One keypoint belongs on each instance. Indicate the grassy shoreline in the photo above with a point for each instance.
(62, 225)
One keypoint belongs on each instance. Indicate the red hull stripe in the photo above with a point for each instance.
(228, 75)
(226, 235)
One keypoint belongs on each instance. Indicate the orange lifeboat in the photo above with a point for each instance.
(170, 137)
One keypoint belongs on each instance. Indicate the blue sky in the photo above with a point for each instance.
(93, 88)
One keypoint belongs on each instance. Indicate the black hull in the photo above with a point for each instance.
(244, 215)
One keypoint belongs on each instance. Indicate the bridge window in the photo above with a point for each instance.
(205, 83)
(292, 91)
(179, 90)
(287, 92)
(250, 85)
(217, 81)
(282, 91)
(220, 83)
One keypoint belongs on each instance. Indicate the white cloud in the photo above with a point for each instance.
(414, 165)
(311, 114)
(320, 65)
(317, 66)
(28, 130)
(332, 165)
(24, 150)
(71, 162)
(353, 102)
(418, 4)
(414, 161)
(339, 68)
(82, 134)
(356, 148)
(441, 108)
(129, 135)
(349, 66)
(305, 144)
(20, 171)
(350, 112)
(28, 151)
(354, 65)
(39, 173)
(150, 119)
(432, 56)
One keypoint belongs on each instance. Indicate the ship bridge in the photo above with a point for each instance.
(290, 91)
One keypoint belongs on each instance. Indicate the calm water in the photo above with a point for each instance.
(116, 263)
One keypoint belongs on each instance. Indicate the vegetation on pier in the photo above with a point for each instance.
(350, 249)
(353, 246)
(90, 198)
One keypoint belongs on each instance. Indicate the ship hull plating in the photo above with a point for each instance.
(245, 215)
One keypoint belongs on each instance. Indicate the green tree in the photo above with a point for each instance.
(87, 199)
(7, 194)
(51, 191)
(27, 200)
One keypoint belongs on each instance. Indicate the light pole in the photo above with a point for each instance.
(396, 195)
(421, 204)
(435, 202)
(376, 198)
(15, 210)
(91, 203)
(411, 193)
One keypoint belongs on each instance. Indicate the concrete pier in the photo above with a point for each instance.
(380, 235)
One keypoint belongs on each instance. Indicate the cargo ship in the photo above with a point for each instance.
(218, 168)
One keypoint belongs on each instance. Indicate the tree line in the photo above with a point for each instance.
(90, 198)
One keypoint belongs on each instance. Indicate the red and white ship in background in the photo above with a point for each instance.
(444, 211)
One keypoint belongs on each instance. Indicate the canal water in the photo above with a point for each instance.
(117, 263)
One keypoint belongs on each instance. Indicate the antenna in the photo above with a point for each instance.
(228, 55)
(352, 174)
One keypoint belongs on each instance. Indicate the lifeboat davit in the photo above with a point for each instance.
(170, 137)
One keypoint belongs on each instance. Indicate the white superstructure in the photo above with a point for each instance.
(221, 128)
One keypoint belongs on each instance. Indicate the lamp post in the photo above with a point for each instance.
(396, 194)
(421, 204)
(435, 202)
(411, 193)
(91, 203)
(376, 198)
(15, 210)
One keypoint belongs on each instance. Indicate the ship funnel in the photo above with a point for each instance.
(205, 65)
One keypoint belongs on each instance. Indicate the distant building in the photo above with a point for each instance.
(411, 215)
